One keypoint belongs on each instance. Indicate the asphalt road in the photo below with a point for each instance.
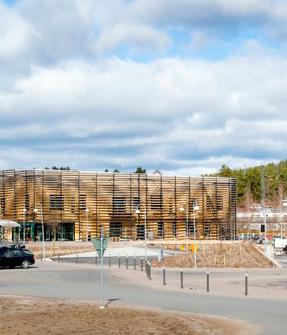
(82, 282)
(282, 261)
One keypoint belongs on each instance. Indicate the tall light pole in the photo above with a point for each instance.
(87, 222)
(195, 209)
(265, 232)
(24, 219)
(137, 211)
(284, 204)
(43, 232)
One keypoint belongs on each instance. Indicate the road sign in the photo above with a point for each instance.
(97, 245)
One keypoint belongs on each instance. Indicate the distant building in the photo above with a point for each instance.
(74, 205)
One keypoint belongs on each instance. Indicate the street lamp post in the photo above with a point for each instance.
(137, 211)
(195, 209)
(43, 233)
(284, 204)
(265, 232)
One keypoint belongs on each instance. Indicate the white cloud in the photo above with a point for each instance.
(140, 38)
(169, 114)
(67, 98)
(15, 34)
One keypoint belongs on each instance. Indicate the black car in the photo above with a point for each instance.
(16, 255)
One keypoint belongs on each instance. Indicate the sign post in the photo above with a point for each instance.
(100, 244)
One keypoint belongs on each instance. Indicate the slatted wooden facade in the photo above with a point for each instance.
(87, 200)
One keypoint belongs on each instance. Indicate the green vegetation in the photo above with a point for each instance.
(64, 168)
(140, 170)
(259, 182)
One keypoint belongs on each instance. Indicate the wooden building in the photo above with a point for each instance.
(73, 205)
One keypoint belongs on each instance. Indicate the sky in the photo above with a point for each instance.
(180, 86)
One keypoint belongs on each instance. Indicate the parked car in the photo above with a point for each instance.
(16, 255)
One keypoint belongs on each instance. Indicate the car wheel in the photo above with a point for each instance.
(25, 264)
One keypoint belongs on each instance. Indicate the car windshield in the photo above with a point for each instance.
(27, 252)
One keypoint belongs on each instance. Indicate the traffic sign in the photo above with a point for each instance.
(97, 245)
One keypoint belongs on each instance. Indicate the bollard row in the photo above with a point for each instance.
(145, 264)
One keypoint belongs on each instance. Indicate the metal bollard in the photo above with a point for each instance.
(149, 271)
(146, 268)
(96, 260)
(141, 264)
(207, 280)
(58, 258)
(77, 259)
(135, 263)
(127, 262)
(246, 283)
(119, 261)
(181, 278)
(41, 257)
(163, 277)
(109, 261)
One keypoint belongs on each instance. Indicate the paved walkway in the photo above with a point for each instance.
(123, 252)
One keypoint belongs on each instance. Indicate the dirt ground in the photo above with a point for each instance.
(218, 255)
(31, 316)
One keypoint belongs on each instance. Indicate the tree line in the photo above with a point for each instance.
(265, 184)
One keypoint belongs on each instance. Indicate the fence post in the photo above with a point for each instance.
(163, 277)
(135, 263)
(96, 260)
(119, 261)
(246, 283)
(41, 256)
(141, 264)
(127, 262)
(181, 278)
(207, 280)
(77, 259)
(149, 271)
(58, 258)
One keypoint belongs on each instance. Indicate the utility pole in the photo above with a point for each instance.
(102, 306)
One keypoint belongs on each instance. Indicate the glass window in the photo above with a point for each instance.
(160, 229)
(136, 203)
(119, 204)
(155, 201)
(8, 253)
(219, 202)
(83, 202)
(16, 253)
(56, 202)
(73, 205)
(2, 205)
(27, 202)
